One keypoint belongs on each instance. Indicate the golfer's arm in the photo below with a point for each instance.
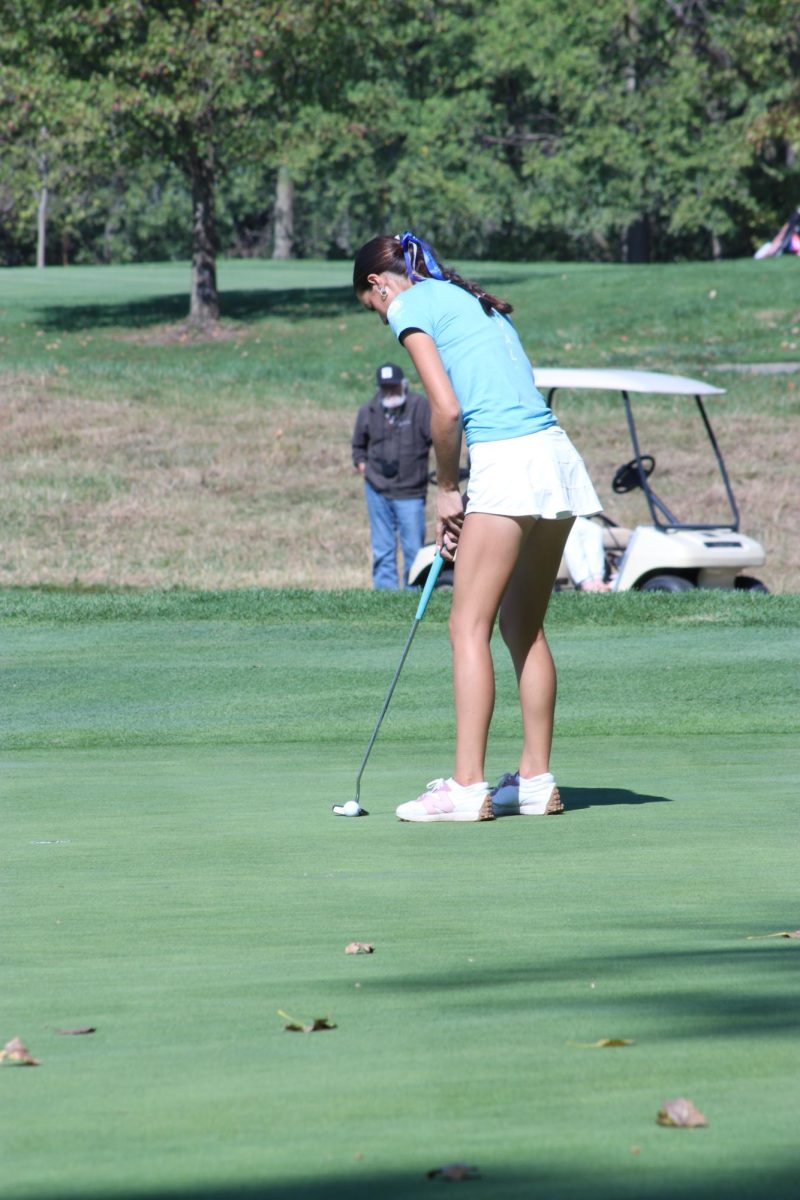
(445, 410)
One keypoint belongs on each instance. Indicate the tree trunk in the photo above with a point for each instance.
(109, 228)
(41, 224)
(205, 300)
(111, 224)
(283, 245)
(636, 238)
(636, 242)
(41, 161)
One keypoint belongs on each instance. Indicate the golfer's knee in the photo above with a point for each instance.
(514, 629)
(465, 630)
(519, 634)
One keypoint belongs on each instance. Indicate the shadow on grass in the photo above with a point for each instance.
(578, 798)
(746, 992)
(291, 304)
(634, 1180)
(250, 305)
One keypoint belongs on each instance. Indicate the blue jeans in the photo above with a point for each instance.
(388, 520)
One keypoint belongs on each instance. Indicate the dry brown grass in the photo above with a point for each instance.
(118, 493)
(122, 494)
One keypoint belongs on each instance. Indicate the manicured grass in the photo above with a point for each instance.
(297, 331)
(174, 876)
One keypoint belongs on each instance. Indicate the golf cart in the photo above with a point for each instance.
(671, 554)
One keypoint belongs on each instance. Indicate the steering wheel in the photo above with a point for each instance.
(626, 478)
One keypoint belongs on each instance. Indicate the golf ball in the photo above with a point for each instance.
(351, 809)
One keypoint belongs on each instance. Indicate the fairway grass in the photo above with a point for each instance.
(174, 877)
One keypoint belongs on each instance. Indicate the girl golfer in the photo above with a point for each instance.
(527, 484)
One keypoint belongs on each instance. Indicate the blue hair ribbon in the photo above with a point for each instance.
(412, 245)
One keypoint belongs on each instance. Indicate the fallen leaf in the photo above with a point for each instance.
(295, 1026)
(455, 1172)
(603, 1042)
(359, 948)
(16, 1053)
(795, 933)
(77, 1032)
(318, 1024)
(680, 1113)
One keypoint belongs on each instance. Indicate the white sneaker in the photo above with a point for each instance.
(446, 800)
(513, 798)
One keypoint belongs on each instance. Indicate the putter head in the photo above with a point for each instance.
(351, 809)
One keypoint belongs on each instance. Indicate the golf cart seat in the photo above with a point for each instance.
(616, 537)
(615, 542)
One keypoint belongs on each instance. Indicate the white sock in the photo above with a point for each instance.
(537, 789)
(472, 791)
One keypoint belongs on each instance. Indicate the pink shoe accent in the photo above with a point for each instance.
(438, 801)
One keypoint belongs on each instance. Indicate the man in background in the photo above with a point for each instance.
(584, 556)
(391, 447)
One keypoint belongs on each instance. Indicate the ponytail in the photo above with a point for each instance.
(486, 299)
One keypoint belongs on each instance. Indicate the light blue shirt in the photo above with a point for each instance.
(483, 357)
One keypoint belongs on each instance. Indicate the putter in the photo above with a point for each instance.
(353, 807)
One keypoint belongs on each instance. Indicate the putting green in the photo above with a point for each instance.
(174, 877)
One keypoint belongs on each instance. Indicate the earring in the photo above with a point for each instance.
(382, 292)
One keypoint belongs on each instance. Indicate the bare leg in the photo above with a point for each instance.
(488, 549)
(521, 624)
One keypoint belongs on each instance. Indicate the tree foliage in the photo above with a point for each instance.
(633, 128)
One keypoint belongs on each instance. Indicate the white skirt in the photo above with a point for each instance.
(539, 475)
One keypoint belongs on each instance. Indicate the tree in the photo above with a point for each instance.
(640, 114)
(48, 138)
(667, 127)
(185, 82)
(209, 84)
(200, 84)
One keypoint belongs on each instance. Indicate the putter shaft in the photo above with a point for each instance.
(430, 583)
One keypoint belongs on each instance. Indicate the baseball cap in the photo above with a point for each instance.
(388, 374)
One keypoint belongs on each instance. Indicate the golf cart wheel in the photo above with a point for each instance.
(746, 583)
(667, 583)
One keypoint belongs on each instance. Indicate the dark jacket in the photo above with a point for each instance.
(394, 443)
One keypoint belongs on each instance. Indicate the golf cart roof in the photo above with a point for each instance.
(613, 380)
